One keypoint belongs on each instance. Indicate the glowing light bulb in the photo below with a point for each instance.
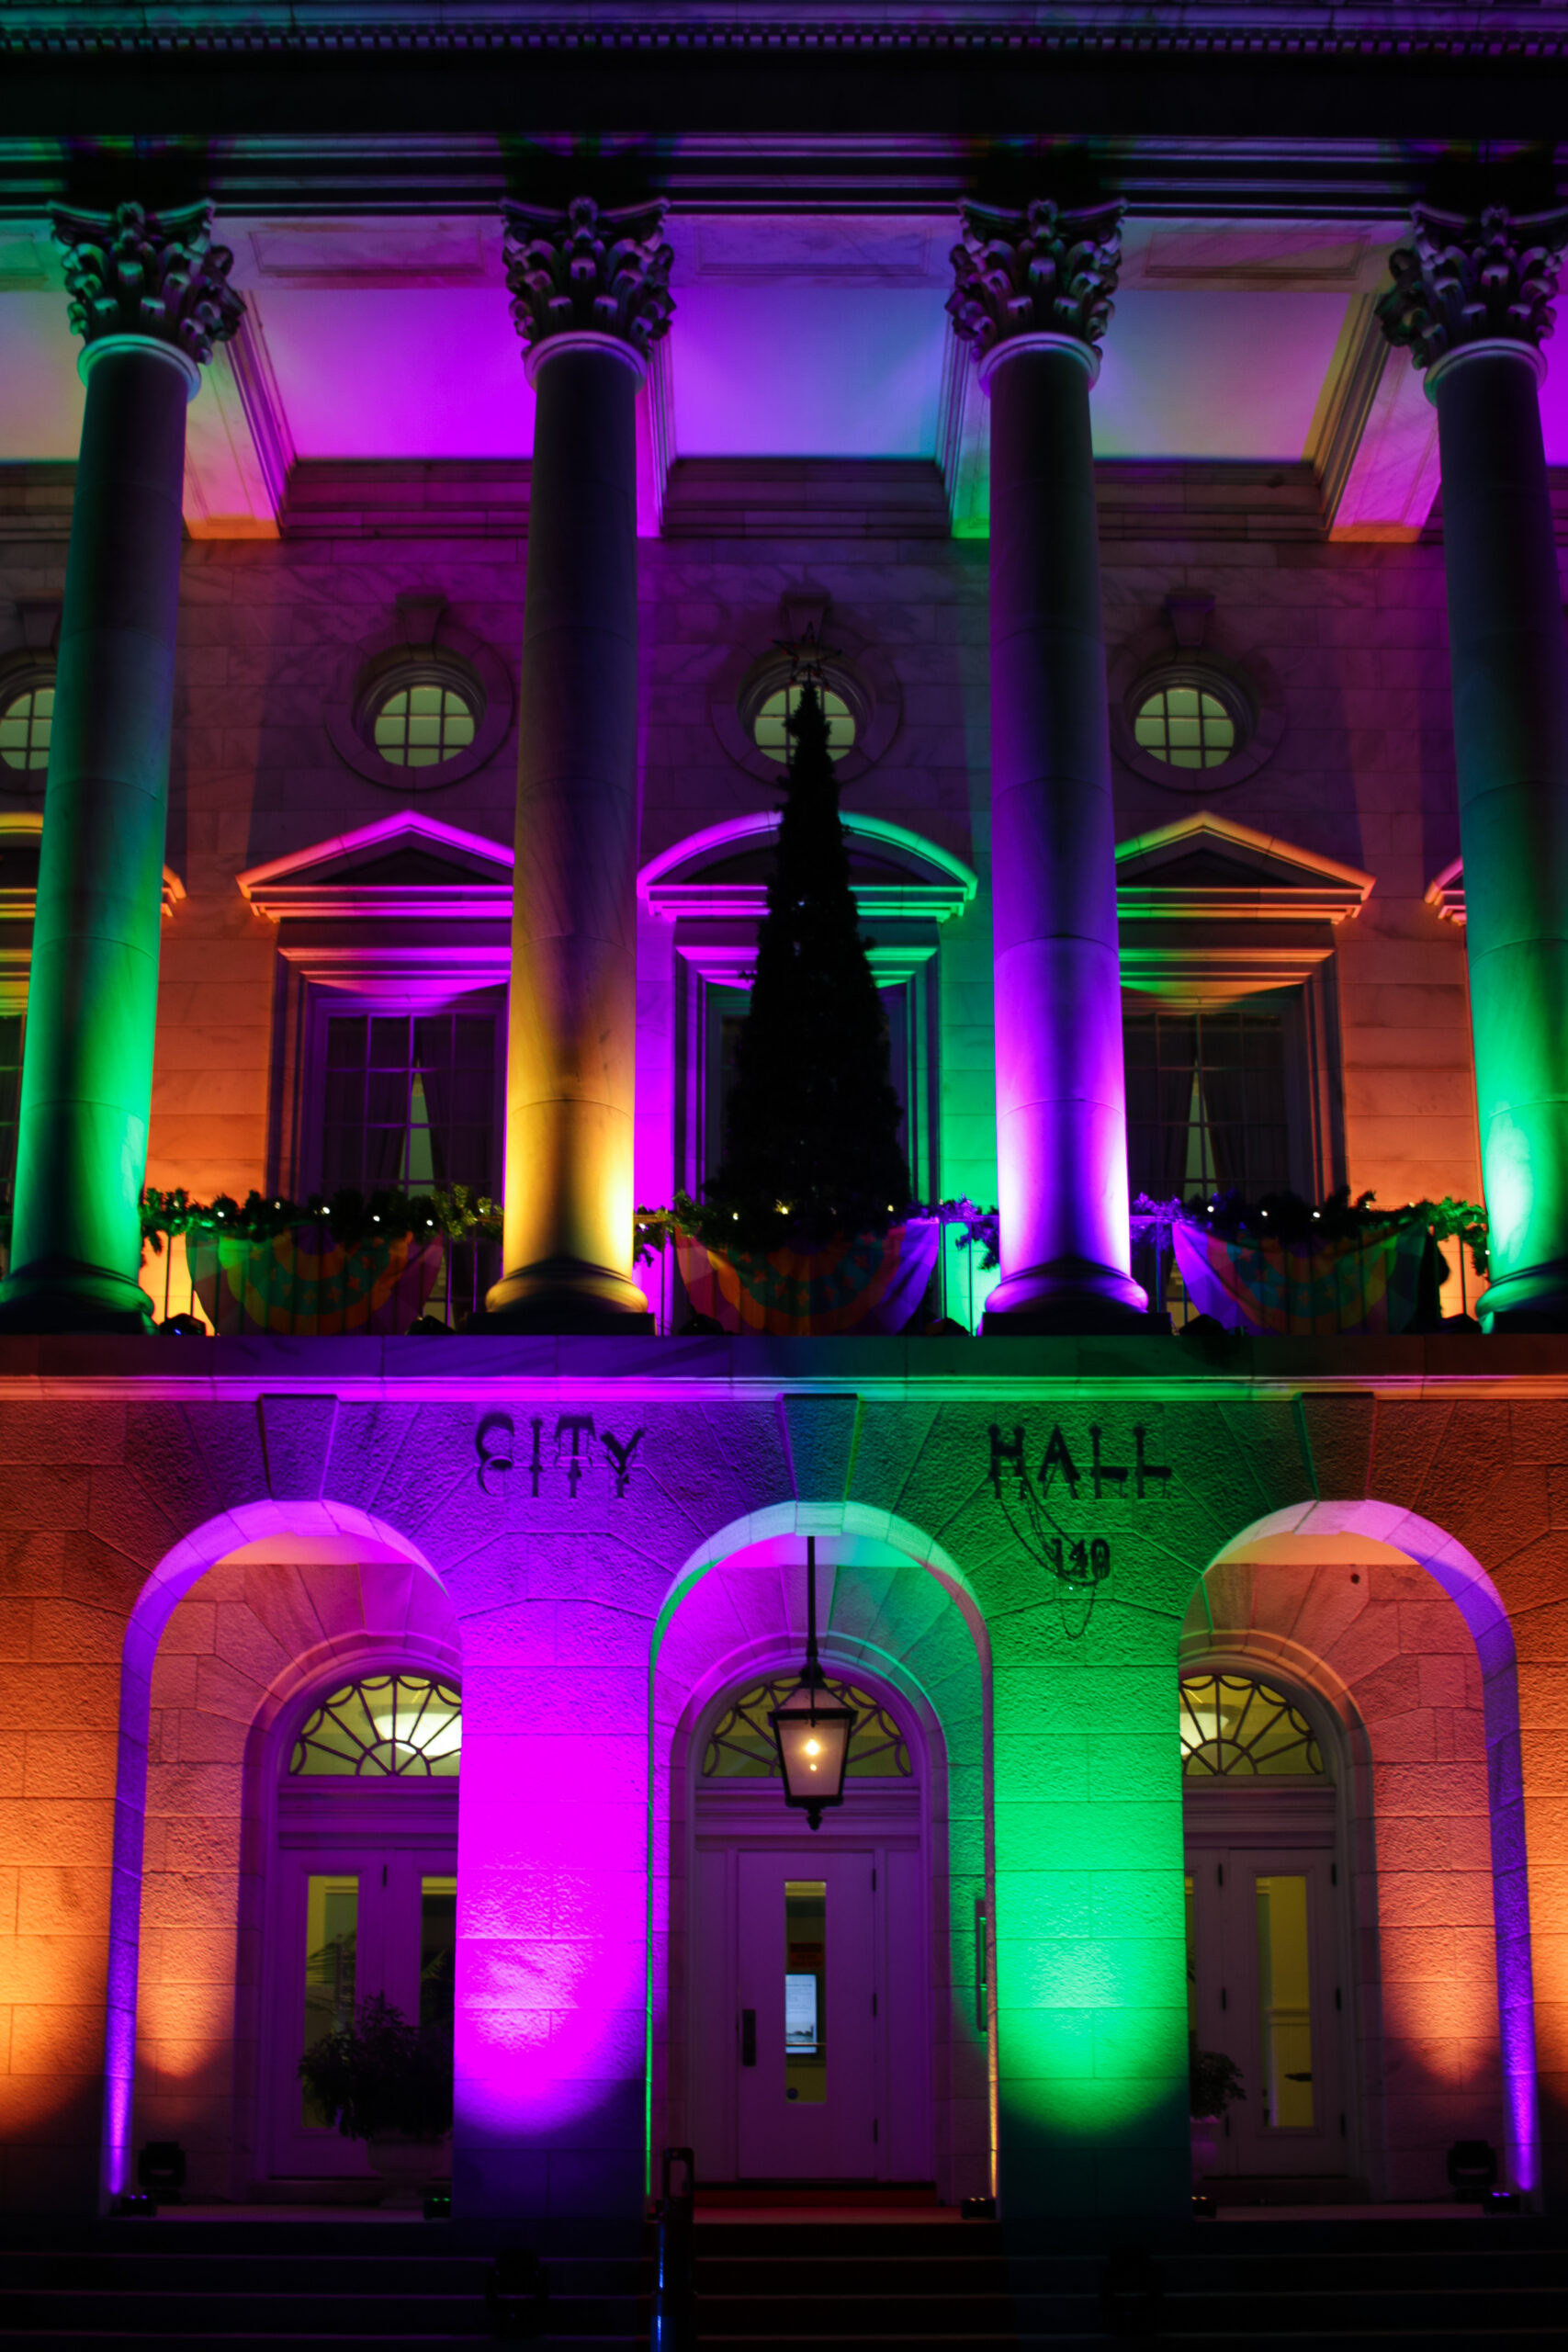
(813, 1747)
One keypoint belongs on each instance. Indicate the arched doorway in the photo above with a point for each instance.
(1402, 1644)
(362, 1888)
(810, 2023)
(1268, 1955)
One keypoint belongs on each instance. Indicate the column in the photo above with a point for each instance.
(592, 296)
(150, 298)
(1472, 300)
(1032, 297)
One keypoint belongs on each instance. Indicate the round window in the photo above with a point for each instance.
(770, 728)
(25, 724)
(1187, 727)
(421, 727)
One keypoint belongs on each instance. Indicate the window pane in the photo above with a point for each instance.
(1284, 2002)
(806, 2006)
(437, 1950)
(402, 1727)
(332, 1922)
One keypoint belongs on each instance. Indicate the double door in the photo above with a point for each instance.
(1264, 1986)
(351, 1920)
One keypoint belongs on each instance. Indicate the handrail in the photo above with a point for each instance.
(674, 2320)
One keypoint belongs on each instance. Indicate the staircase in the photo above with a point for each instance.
(1467, 2285)
(313, 2286)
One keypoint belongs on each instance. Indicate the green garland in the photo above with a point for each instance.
(690, 1220)
(1286, 1217)
(457, 1213)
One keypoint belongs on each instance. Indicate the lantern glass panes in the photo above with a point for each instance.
(813, 1734)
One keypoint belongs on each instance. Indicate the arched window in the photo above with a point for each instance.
(383, 1726)
(740, 1747)
(1234, 1727)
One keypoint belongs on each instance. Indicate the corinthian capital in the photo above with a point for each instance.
(1467, 280)
(584, 271)
(1040, 271)
(158, 274)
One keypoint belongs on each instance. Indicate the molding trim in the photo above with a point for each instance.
(1446, 892)
(729, 962)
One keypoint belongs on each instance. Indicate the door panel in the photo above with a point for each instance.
(351, 1922)
(1262, 1987)
(809, 2017)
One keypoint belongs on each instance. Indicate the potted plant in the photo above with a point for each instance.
(1213, 2081)
(388, 2084)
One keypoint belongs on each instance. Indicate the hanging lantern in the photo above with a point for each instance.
(810, 1729)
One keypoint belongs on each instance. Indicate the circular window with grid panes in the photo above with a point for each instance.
(770, 726)
(422, 725)
(1186, 726)
(1192, 724)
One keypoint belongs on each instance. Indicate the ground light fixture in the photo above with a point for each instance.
(812, 1734)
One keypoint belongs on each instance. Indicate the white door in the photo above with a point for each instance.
(1263, 1988)
(352, 1921)
(810, 2009)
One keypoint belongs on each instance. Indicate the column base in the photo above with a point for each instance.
(61, 1295)
(1534, 1299)
(564, 1294)
(1071, 1295)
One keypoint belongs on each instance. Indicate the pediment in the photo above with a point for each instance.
(406, 864)
(1211, 911)
(1206, 867)
(723, 871)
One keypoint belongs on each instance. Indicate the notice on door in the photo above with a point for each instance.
(800, 2016)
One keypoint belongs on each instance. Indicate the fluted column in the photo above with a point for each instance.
(1472, 300)
(590, 298)
(1034, 297)
(149, 296)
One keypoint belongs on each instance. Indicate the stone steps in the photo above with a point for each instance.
(827, 2287)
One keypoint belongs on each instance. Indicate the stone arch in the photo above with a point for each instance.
(322, 1535)
(896, 1610)
(1427, 1698)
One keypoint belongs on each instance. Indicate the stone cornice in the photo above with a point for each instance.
(1044, 271)
(480, 1370)
(135, 273)
(1483, 279)
(1405, 28)
(588, 272)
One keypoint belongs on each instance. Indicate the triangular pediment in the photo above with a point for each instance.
(1210, 865)
(407, 862)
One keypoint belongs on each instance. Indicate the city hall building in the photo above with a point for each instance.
(435, 445)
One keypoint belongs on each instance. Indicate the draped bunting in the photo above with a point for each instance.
(866, 1286)
(1306, 1289)
(307, 1285)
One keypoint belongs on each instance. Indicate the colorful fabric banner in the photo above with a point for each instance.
(307, 1286)
(1303, 1289)
(867, 1285)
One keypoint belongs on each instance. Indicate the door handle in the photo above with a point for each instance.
(748, 2037)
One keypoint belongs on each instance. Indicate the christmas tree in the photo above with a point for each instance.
(811, 1140)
